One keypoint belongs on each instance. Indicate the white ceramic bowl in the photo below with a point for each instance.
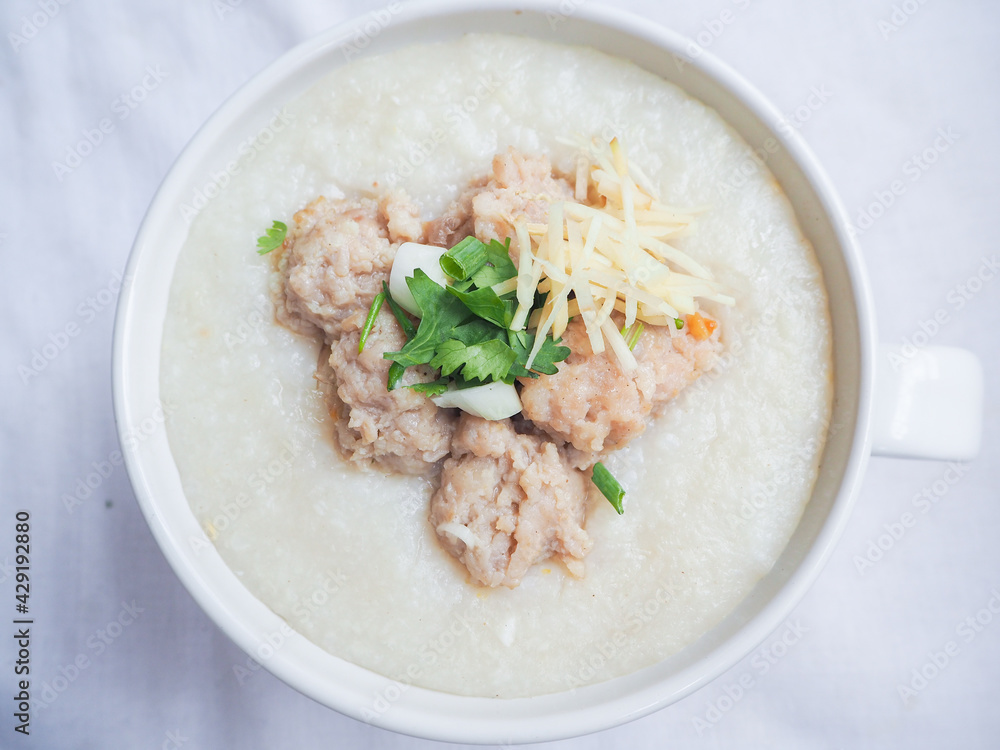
(349, 688)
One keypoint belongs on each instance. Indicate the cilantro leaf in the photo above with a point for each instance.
(487, 305)
(441, 312)
(520, 342)
(548, 355)
(450, 356)
(489, 360)
(476, 331)
(272, 238)
(396, 371)
(461, 383)
(498, 268)
(545, 361)
(464, 327)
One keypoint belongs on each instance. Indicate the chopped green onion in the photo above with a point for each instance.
(404, 321)
(271, 238)
(609, 487)
(631, 335)
(370, 320)
(634, 338)
(433, 388)
(396, 371)
(679, 323)
(465, 259)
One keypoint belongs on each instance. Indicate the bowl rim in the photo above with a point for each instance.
(472, 719)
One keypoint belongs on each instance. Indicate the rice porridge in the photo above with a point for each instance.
(715, 485)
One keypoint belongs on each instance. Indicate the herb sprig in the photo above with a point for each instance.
(272, 238)
(464, 328)
(464, 332)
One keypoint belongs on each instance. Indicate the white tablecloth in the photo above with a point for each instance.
(883, 91)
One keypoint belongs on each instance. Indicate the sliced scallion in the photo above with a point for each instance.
(609, 487)
(404, 321)
(632, 334)
(465, 259)
(370, 320)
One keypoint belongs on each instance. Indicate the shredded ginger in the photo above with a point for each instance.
(592, 260)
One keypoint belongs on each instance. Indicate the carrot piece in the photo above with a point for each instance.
(700, 327)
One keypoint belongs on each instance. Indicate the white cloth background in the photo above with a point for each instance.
(891, 74)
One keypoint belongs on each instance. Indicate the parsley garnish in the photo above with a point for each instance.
(545, 361)
(498, 267)
(487, 305)
(272, 238)
(440, 311)
(396, 371)
(464, 329)
(486, 361)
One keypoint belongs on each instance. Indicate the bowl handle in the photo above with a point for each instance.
(928, 403)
